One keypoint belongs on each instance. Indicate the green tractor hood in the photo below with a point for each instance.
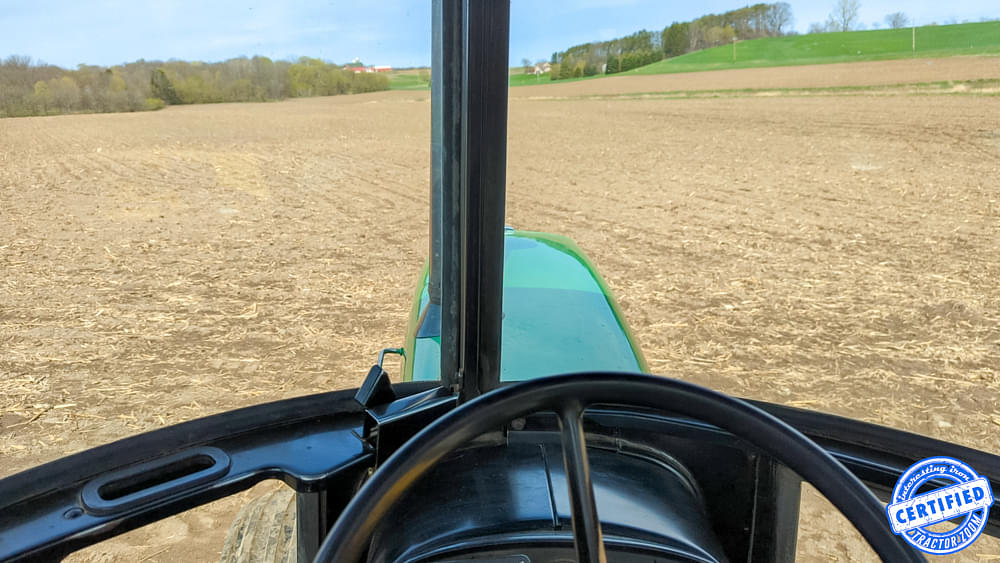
(558, 316)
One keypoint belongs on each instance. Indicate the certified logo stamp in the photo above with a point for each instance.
(961, 495)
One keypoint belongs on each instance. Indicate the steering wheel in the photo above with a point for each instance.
(568, 396)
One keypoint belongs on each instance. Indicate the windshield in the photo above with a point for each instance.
(204, 208)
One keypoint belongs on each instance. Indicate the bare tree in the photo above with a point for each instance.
(845, 14)
(832, 24)
(779, 17)
(527, 66)
(816, 27)
(896, 20)
(694, 35)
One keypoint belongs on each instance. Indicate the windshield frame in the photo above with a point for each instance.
(468, 172)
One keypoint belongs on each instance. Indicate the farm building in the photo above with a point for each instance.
(542, 68)
(357, 68)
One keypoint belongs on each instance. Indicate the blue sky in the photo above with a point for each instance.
(394, 32)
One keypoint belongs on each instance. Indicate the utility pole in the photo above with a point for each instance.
(914, 30)
(734, 49)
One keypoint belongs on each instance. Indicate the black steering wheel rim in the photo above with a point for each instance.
(568, 395)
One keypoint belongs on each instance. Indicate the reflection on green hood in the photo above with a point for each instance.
(558, 316)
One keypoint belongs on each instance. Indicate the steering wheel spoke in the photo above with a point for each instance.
(586, 525)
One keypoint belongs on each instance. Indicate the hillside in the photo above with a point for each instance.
(818, 48)
(883, 44)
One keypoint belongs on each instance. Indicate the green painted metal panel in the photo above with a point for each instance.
(558, 316)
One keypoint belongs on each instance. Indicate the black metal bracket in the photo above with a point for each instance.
(376, 388)
(389, 426)
(389, 422)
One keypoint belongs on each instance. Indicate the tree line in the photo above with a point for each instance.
(646, 47)
(844, 17)
(35, 88)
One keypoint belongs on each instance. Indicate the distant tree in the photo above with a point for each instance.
(779, 17)
(162, 88)
(646, 47)
(638, 41)
(675, 39)
(34, 88)
(845, 15)
(719, 35)
(43, 96)
(306, 77)
(565, 69)
(896, 20)
(612, 64)
(628, 61)
(65, 93)
(368, 82)
(829, 26)
(527, 66)
(117, 83)
(695, 33)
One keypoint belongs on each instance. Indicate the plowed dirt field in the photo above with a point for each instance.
(834, 251)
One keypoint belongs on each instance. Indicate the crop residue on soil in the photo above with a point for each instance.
(829, 253)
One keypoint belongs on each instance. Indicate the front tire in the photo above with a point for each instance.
(263, 531)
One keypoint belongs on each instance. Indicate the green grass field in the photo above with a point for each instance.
(409, 80)
(932, 41)
(883, 44)
(520, 79)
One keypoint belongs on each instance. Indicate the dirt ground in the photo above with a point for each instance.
(830, 252)
(879, 73)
